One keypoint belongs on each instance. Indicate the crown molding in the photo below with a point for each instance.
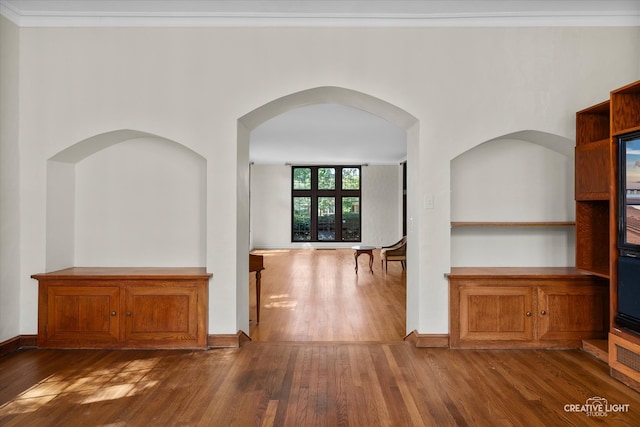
(321, 13)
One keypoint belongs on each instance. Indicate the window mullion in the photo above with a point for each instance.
(314, 204)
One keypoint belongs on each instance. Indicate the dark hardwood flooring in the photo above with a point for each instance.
(328, 378)
(308, 384)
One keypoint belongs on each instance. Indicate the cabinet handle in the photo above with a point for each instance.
(528, 313)
(128, 313)
(543, 312)
(113, 313)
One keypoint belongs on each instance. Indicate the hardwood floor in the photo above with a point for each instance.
(316, 295)
(308, 384)
(324, 375)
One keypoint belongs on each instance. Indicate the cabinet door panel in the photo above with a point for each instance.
(169, 314)
(572, 312)
(80, 313)
(496, 313)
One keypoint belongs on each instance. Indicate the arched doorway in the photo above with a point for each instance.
(320, 95)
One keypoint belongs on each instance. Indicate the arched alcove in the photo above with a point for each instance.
(323, 95)
(126, 198)
(521, 178)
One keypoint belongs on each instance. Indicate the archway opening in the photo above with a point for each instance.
(322, 95)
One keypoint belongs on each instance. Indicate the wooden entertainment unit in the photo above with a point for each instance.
(502, 307)
(596, 168)
(131, 307)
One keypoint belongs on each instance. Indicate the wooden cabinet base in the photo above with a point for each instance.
(123, 308)
(539, 307)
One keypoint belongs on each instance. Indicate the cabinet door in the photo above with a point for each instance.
(572, 312)
(496, 313)
(162, 315)
(81, 315)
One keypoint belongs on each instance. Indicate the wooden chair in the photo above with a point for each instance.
(395, 252)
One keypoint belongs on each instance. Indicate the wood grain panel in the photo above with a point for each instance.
(592, 171)
(592, 124)
(592, 237)
(78, 313)
(567, 313)
(625, 109)
(161, 313)
(496, 313)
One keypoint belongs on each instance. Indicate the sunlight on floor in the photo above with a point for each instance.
(123, 380)
(281, 304)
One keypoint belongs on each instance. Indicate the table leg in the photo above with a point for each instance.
(370, 261)
(258, 275)
(355, 256)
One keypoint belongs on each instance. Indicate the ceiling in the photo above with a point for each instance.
(323, 133)
(321, 12)
(327, 133)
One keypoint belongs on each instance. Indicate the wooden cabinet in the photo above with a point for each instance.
(537, 307)
(123, 308)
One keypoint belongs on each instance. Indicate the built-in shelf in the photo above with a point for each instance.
(624, 131)
(512, 224)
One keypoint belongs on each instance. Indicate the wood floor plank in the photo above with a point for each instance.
(291, 384)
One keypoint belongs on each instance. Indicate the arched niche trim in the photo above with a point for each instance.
(92, 145)
(551, 141)
(325, 95)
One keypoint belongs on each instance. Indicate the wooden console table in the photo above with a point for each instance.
(86, 307)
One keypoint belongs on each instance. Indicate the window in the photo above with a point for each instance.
(325, 203)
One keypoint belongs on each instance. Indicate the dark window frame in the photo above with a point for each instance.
(337, 193)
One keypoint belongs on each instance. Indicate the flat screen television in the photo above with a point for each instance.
(629, 194)
(628, 315)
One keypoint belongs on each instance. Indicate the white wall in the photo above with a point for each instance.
(510, 180)
(150, 210)
(10, 267)
(271, 207)
(191, 85)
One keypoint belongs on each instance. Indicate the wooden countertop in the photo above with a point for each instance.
(108, 273)
(520, 272)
